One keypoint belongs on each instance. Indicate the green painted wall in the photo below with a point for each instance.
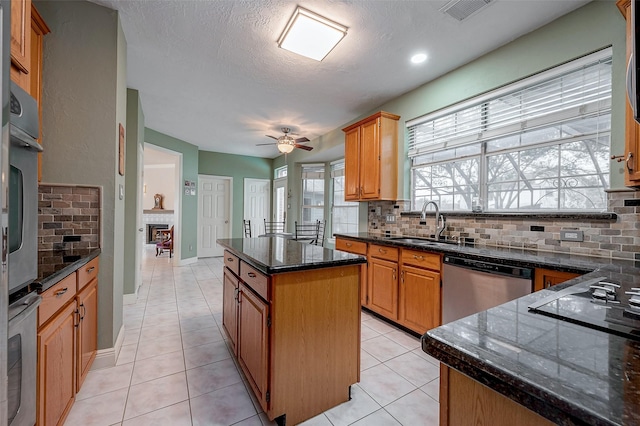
(84, 99)
(189, 206)
(134, 131)
(238, 167)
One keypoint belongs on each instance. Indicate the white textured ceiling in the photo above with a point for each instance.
(210, 72)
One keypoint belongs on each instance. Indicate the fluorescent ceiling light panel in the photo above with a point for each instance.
(311, 35)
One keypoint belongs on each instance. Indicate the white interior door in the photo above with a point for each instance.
(257, 203)
(280, 200)
(214, 213)
(139, 220)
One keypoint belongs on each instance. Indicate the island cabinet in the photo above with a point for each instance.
(67, 342)
(357, 247)
(295, 334)
(371, 158)
(545, 278)
(630, 157)
(419, 295)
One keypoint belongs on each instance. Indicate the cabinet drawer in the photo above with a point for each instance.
(254, 279)
(383, 252)
(232, 262)
(56, 297)
(421, 259)
(356, 247)
(87, 273)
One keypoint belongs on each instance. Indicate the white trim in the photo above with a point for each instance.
(198, 201)
(131, 298)
(189, 261)
(511, 87)
(106, 358)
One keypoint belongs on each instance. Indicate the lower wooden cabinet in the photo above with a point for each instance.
(545, 278)
(87, 307)
(56, 367)
(383, 287)
(419, 299)
(357, 247)
(230, 289)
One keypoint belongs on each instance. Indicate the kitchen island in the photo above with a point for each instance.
(526, 368)
(291, 311)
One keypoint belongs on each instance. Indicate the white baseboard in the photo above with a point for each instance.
(106, 358)
(189, 261)
(131, 299)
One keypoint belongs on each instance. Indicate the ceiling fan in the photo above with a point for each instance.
(286, 143)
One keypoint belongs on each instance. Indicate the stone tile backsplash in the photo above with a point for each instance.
(611, 238)
(68, 217)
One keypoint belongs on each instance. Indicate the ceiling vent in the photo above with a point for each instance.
(462, 9)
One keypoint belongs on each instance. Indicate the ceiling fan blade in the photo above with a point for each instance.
(262, 144)
(272, 137)
(306, 148)
(303, 139)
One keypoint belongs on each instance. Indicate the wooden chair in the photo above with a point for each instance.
(246, 223)
(273, 227)
(166, 243)
(321, 227)
(307, 232)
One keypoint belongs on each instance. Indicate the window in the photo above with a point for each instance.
(280, 172)
(344, 214)
(539, 144)
(312, 193)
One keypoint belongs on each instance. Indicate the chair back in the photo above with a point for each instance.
(321, 227)
(246, 223)
(166, 244)
(307, 232)
(273, 227)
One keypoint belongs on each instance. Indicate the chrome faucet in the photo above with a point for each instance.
(439, 217)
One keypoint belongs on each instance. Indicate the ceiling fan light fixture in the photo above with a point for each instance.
(311, 35)
(286, 147)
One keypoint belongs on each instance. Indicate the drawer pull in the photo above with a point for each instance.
(61, 292)
(348, 244)
(90, 270)
(230, 259)
(415, 256)
(382, 250)
(251, 274)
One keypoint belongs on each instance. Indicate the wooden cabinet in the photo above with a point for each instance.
(630, 157)
(56, 386)
(419, 295)
(253, 342)
(296, 333)
(371, 158)
(545, 278)
(383, 280)
(230, 289)
(21, 37)
(357, 247)
(67, 341)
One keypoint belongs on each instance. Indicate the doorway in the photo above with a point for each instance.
(280, 200)
(214, 213)
(257, 203)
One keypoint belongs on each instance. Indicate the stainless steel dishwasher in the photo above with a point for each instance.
(470, 286)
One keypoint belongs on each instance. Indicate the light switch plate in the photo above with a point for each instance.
(121, 192)
(571, 235)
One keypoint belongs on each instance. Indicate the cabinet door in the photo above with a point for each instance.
(419, 299)
(370, 160)
(545, 278)
(230, 308)
(383, 287)
(87, 330)
(352, 165)
(20, 35)
(253, 342)
(56, 367)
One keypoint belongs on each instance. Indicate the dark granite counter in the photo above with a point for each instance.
(518, 257)
(54, 265)
(272, 255)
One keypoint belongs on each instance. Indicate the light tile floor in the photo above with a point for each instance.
(175, 368)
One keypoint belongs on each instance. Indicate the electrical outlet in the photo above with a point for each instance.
(190, 247)
(571, 235)
(391, 218)
(378, 210)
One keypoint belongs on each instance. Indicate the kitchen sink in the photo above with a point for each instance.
(414, 240)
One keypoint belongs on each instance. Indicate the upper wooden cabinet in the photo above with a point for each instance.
(632, 128)
(371, 158)
(21, 35)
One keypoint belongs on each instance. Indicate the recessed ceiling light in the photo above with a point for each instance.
(418, 58)
(311, 35)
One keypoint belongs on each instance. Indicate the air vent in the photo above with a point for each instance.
(462, 9)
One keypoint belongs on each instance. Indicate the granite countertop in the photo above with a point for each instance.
(525, 258)
(568, 373)
(54, 265)
(272, 255)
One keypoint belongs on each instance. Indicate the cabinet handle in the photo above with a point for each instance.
(236, 294)
(61, 292)
(394, 273)
(76, 316)
(547, 284)
(251, 274)
(383, 251)
(230, 259)
(84, 311)
(348, 244)
(415, 256)
(402, 277)
(628, 164)
(90, 270)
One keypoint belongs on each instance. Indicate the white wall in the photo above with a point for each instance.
(159, 179)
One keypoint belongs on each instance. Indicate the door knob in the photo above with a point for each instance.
(226, 221)
(140, 229)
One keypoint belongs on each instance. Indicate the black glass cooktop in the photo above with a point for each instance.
(596, 303)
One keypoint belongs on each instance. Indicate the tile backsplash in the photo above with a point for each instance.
(68, 217)
(612, 238)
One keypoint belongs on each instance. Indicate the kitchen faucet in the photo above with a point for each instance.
(439, 217)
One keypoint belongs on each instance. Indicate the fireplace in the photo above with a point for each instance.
(152, 231)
